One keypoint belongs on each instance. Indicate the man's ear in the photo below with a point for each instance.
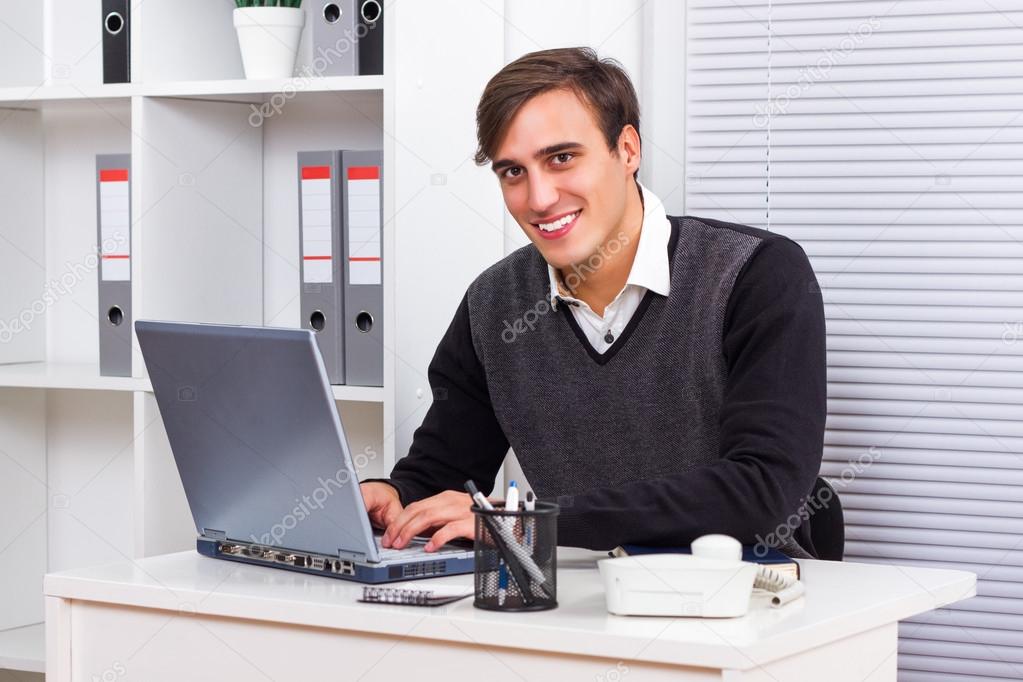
(629, 148)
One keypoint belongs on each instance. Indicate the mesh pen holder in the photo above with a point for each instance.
(516, 558)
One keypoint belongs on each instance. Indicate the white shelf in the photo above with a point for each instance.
(26, 94)
(85, 376)
(241, 86)
(66, 375)
(359, 394)
(23, 648)
(198, 89)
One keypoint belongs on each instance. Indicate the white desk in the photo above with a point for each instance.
(184, 616)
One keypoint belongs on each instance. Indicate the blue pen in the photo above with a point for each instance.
(502, 583)
(511, 503)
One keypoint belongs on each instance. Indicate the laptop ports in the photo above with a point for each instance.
(340, 567)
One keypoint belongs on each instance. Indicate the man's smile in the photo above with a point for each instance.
(559, 226)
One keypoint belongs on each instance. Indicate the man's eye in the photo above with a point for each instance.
(564, 157)
(512, 172)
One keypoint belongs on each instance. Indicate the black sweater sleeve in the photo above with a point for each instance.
(460, 437)
(772, 424)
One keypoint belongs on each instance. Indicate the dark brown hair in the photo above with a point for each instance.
(602, 84)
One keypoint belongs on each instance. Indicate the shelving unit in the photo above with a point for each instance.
(23, 648)
(85, 376)
(86, 472)
(29, 96)
(76, 375)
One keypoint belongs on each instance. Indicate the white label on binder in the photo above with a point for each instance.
(363, 224)
(114, 225)
(317, 245)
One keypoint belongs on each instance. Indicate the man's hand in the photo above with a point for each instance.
(447, 513)
(382, 503)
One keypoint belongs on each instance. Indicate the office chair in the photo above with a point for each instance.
(827, 523)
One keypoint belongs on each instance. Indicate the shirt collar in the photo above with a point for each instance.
(650, 268)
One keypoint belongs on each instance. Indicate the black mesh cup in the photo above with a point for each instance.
(516, 558)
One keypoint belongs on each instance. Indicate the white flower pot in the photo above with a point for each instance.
(268, 38)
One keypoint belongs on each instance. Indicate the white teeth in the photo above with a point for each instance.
(557, 224)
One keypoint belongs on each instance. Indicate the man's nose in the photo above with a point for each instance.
(543, 195)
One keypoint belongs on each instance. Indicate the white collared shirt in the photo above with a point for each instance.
(649, 271)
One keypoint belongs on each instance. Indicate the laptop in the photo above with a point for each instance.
(263, 458)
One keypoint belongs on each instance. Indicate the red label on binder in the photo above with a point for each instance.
(316, 172)
(113, 175)
(364, 173)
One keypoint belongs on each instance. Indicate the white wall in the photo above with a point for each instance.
(447, 211)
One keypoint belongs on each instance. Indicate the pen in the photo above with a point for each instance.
(511, 503)
(502, 582)
(530, 505)
(511, 500)
(478, 497)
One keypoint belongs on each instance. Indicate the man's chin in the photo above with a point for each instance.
(558, 261)
(561, 255)
(569, 262)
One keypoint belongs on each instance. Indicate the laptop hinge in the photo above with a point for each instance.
(214, 534)
(350, 555)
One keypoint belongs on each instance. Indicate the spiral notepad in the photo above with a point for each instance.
(412, 596)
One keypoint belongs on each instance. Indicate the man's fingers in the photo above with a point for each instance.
(382, 518)
(390, 513)
(386, 513)
(417, 518)
(462, 528)
(400, 522)
(421, 520)
(432, 512)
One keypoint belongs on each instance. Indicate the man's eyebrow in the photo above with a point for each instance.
(539, 154)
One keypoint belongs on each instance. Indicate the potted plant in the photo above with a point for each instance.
(268, 35)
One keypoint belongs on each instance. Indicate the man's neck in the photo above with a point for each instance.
(600, 287)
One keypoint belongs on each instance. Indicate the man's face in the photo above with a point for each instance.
(564, 187)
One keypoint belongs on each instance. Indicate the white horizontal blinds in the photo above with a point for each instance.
(894, 155)
(726, 131)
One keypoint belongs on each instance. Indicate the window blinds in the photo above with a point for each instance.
(886, 137)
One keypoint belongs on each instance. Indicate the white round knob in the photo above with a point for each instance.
(717, 546)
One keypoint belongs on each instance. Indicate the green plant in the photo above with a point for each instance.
(268, 3)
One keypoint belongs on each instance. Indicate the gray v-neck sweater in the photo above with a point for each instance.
(705, 415)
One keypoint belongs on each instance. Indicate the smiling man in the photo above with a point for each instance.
(658, 377)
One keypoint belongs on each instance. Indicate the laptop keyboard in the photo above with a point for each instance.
(415, 547)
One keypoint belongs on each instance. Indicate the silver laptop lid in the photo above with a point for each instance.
(256, 436)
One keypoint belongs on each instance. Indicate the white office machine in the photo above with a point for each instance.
(712, 582)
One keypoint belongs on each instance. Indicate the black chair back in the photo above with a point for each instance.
(827, 522)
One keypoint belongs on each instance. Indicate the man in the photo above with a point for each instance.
(659, 378)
